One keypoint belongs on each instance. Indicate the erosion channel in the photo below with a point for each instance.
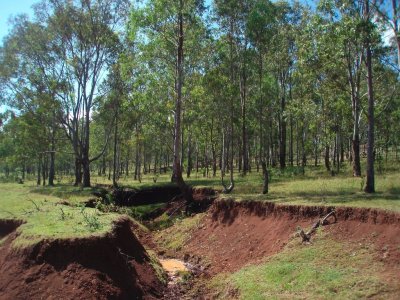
(175, 256)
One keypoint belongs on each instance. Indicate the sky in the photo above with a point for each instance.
(12, 8)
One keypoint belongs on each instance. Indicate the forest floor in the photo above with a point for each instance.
(246, 248)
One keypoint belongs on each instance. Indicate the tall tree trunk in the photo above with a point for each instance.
(78, 172)
(182, 147)
(291, 141)
(260, 116)
(103, 164)
(316, 154)
(266, 177)
(115, 148)
(370, 182)
(356, 156)
(337, 151)
(243, 96)
(53, 152)
(137, 157)
(44, 168)
(39, 167)
(23, 168)
(85, 152)
(177, 169)
(52, 165)
(231, 123)
(282, 136)
(86, 171)
(297, 145)
(355, 99)
(189, 154)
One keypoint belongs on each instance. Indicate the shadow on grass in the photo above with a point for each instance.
(64, 191)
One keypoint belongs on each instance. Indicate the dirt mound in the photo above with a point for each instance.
(115, 266)
(234, 234)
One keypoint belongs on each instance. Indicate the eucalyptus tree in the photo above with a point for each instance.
(165, 29)
(371, 40)
(86, 42)
(343, 46)
(282, 60)
(69, 48)
(233, 18)
(261, 27)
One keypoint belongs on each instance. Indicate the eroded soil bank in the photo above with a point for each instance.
(229, 236)
(234, 234)
(114, 266)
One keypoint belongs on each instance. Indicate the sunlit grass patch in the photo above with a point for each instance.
(45, 218)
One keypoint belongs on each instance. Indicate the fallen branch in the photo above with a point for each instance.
(306, 236)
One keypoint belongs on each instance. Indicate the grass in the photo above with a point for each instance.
(337, 191)
(73, 194)
(46, 219)
(174, 237)
(324, 270)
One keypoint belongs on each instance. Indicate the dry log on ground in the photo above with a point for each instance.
(306, 236)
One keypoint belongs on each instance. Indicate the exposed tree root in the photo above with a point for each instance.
(306, 236)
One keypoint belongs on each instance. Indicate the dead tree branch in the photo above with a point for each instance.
(306, 236)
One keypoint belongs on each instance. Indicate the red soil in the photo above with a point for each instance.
(234, 234)
(115, 266)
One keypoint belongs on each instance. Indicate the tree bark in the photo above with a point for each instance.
(370, 182)
(291, 142)
(266, 177)
(39, 166)
(115, 149)
(78, 172)
(177, 169)
(52, 166)
(243, 95)
(189, 155)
